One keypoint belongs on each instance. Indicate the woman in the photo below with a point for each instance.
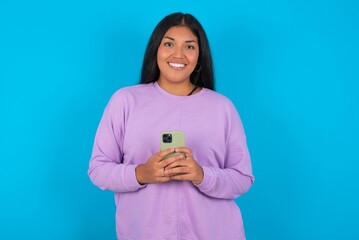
(188, 196)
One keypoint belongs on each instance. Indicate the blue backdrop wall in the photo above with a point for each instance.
(290, 67)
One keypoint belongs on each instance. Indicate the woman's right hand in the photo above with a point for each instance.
(153, 171)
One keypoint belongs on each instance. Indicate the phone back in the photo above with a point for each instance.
(172, 139)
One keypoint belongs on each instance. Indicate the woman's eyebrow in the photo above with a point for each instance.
(187, 41)
(169, 38)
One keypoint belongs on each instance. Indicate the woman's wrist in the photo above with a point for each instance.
(200, 177)
(139, 174)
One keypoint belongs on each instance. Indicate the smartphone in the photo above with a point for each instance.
(172, 139)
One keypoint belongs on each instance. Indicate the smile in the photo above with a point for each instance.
(177, 65)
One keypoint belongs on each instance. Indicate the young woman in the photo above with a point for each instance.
(186, 196)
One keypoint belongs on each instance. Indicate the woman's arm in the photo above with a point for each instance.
(106, 168)
(228, 177)
(236, 177)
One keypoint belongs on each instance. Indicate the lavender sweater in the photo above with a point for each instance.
(129, 133)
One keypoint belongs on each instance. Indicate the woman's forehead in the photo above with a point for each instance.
(180, 33)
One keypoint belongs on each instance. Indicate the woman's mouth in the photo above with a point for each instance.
(177, 66)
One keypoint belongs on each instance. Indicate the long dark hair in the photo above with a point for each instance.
(203, 75)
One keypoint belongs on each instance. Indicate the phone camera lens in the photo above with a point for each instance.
(167, 138)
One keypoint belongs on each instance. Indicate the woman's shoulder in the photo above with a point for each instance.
(132, 91)
(217, 97)
(127, 95)
(219, 102)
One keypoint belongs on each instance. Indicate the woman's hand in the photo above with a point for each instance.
(153, 171)
(185, 168)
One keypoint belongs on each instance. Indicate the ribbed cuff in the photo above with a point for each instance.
(208, 180)
(130, 178)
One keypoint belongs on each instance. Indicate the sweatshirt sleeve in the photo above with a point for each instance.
(106, 168)
(235, 178)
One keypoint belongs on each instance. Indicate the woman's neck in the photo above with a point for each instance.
(178, 89)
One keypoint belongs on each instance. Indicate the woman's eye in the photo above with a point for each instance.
(168, 44)
(190, 47)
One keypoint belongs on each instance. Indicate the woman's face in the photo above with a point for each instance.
(177, 54)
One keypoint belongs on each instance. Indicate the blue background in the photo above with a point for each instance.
(290, 67)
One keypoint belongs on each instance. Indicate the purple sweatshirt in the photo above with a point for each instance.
(129, 134)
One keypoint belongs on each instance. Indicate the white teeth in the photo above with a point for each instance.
(177, 65)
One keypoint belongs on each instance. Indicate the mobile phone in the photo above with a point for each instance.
(172, 139)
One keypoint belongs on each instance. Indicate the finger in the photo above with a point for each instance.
(178, 163)
(184, 150)
(165, 162)
(178, 171)
(161, 154)
(161, 176)
(160, 172)
(163, 179)
(180, 177)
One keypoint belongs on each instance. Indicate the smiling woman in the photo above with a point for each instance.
(194, 40)
(159, 194)
(177, 58)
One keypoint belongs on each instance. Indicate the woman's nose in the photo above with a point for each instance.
(178, 51)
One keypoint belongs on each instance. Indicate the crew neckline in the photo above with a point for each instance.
(164, 92)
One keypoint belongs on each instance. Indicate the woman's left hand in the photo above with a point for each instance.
(185, 169)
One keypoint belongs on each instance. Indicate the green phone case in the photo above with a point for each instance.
(172, 139)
